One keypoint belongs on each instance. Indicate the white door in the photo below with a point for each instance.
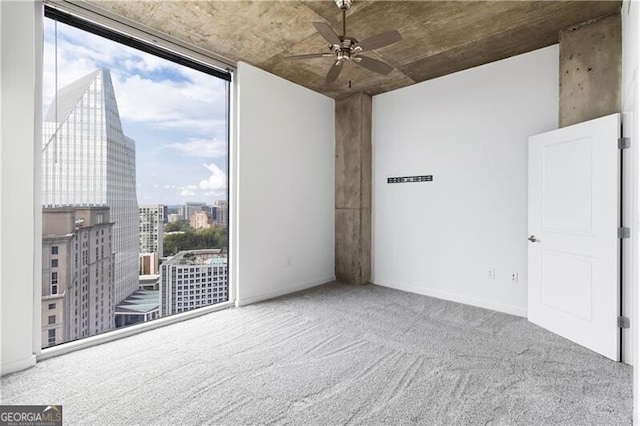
(573, 233)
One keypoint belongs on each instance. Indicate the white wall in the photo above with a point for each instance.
(630, 14)
(1, 203)
(285, 192)
(469, 130)
(20, 74)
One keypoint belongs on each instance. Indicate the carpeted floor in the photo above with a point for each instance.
(335, 354)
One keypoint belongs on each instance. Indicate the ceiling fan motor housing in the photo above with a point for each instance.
(346, 49)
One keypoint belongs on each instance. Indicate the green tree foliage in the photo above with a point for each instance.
(181, 225)
(194, 239)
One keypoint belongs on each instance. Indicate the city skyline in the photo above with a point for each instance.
(176, 115)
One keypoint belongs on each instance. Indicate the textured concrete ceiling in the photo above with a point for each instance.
(439, 37)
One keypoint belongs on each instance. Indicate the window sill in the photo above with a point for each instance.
(121, 333)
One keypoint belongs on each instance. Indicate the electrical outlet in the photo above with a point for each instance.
(514, 278)
(492, 274)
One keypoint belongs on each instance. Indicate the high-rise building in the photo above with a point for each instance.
(199, 220)
(77, 273)
(191, 208)
(193, 279)
(222, 212)
(88, 161)
(182, 211)
(151, 228)
(174, 217)
(211, 211)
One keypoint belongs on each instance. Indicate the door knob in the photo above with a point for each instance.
(533, 239)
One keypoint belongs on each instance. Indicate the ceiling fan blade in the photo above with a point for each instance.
(333, 73)
(380, 40)
(373, 65)
(326, 32)
(310, 56)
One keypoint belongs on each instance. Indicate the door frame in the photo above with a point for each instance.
(628, 188)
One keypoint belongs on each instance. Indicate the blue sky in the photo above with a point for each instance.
(175, 114)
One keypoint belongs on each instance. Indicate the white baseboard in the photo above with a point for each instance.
(281, 292)
(21, 364)
(439, 294)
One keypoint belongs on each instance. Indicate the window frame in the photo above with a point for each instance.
(128, 28)
(53, 283)
(51, 334)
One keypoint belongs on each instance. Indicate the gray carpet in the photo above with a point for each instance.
(335, 354)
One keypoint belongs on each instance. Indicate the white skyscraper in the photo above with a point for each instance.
(88, 161)
(151, 228)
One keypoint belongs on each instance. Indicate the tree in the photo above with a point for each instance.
(181, 225)
(192, 239)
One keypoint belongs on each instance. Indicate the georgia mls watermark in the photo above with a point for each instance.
(30, 415)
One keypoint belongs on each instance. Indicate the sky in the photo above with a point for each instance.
(176, 115)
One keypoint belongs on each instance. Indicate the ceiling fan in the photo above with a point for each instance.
(345, 48)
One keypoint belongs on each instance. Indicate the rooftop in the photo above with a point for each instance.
(196, 257)
(141, 302)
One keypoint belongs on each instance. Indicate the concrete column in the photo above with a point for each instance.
(590, 70)
(353, 189)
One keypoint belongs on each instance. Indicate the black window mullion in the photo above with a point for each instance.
(94, 28)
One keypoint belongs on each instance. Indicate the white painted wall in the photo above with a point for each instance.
(20, 75)
(1, 203)
(469, 130)
(630, 14)
(285, 192)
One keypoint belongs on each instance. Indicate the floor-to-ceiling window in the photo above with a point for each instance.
(134, 181)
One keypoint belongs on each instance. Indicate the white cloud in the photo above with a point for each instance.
(211, 148)
(170, 104)
(217, 182)
(149, 63)
(149, 89)
(184, 191)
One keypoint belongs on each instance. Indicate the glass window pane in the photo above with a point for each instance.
(135, 187)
